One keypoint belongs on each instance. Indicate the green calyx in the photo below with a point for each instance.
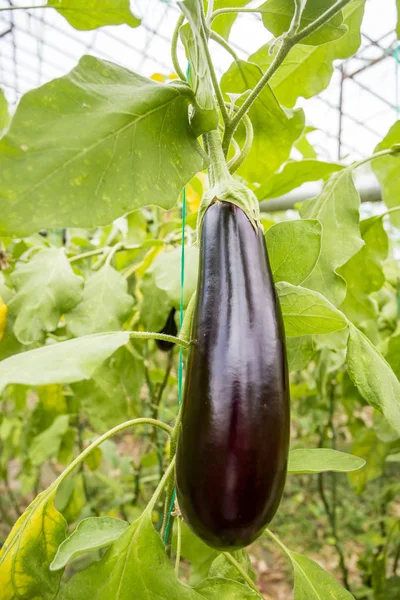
(234, 191)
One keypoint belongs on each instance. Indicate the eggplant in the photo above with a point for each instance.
(169, 328)
(233, 442)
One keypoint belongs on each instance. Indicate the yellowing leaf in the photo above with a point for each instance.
(29, 549)
(3, 317)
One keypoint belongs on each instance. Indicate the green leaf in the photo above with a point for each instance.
(47, 444)
(155, 306)
(166, 269)
(337, 209)
(275, 128)
(293, 249)
(312, 582)
(4, 114)
(91, 534)
(64, 362)
(105, 304)
(363, 273)
(100, 142)
(277, 16)
(321, 460)
(393, 354)
(308, 69)
(299, 351)
(46, 288)
(29, 549)
(304, 146)
(307, 312)
(386, 170)
(368, 446)
(112, 395)
(205, 115)
(223, 23)
(95, 13)
(197, 553)
(398, 19)
(373, 377)
(217, 588)
(294, 174)
(136, 561)
(222, 567)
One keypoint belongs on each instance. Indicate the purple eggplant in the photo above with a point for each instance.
(234, 438)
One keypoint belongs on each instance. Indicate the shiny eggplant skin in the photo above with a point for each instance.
(169, 328)
(234, 439)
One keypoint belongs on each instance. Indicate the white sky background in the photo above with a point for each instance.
(43, 46)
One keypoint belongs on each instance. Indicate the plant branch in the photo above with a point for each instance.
(174, 49)
(224, 44)
(219, 168)
(240, 157)
(126, 425)
(150, 335)
(240, 569)
(288, 40)
(213, 75)
(388, 152)
(178, 545)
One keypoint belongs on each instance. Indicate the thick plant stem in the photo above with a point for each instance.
(219, 168)
(388, 152)
(150, 335)
(174, 49)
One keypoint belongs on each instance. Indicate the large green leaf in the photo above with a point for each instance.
(205, 115)
(363, 272)
(320, 460)
(105, 304)
(294, 174)
(4, 114)
(218, 588)
(47, 444)
(155, 306)
(368, 446)
(299, 351)
(46, 288)
(64, 362)
(112, 395)
(29, 549)
(387, 169)
(373, 377)
(91, 534)
(307, 312)
(275, 128)
(312, 582)
(223, 23)
(308, 69)
(95, 13)
(84, 149)
(277, 16)
(337, 209)
(166, 269)
(293, 249)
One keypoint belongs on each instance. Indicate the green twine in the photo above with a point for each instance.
(180, 367)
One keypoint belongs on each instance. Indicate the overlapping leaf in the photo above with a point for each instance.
(65, 362)
(363, 273)
(95, 13)
(104, 306)
(275, 128)
(277, 16)
(308, 69)
(307, 312)
(4, 115)
(368, 446)
(337, 209)
(29, 550)
(294, 174)
(387, 168)
(46, 288)
(373, 377)
(293, 249)
(93, 145)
